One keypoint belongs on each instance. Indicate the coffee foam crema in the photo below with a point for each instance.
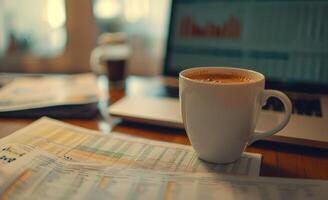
(217, 78)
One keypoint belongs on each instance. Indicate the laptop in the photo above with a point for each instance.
(285, 40)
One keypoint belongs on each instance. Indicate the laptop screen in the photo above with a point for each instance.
(286, 40)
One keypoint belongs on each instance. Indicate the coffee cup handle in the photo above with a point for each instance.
(288, 111)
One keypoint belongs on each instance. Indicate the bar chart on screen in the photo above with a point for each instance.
(190, 28)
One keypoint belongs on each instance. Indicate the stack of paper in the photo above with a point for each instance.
(81, 145)
(25, 95)
(53, 160)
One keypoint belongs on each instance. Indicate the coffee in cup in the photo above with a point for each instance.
(220, 107)
(218, 78)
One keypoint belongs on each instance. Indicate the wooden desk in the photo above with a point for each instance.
(279, 160)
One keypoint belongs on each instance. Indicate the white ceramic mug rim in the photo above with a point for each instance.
(260, 77)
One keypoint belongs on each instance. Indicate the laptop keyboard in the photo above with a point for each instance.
(308, 107)
(171, 91)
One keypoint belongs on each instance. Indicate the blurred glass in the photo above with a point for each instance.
(34, 26)
(145, 23)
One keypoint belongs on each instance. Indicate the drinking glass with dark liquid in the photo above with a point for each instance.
(110, 57)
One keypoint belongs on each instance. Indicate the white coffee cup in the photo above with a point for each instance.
(220, 118)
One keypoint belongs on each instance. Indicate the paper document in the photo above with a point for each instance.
(77, 144)
(12, 153)
(43, 176)
(38, 92)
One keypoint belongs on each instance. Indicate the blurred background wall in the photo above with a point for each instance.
(59, 35)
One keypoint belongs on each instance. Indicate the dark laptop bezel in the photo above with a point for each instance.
(270, 83)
